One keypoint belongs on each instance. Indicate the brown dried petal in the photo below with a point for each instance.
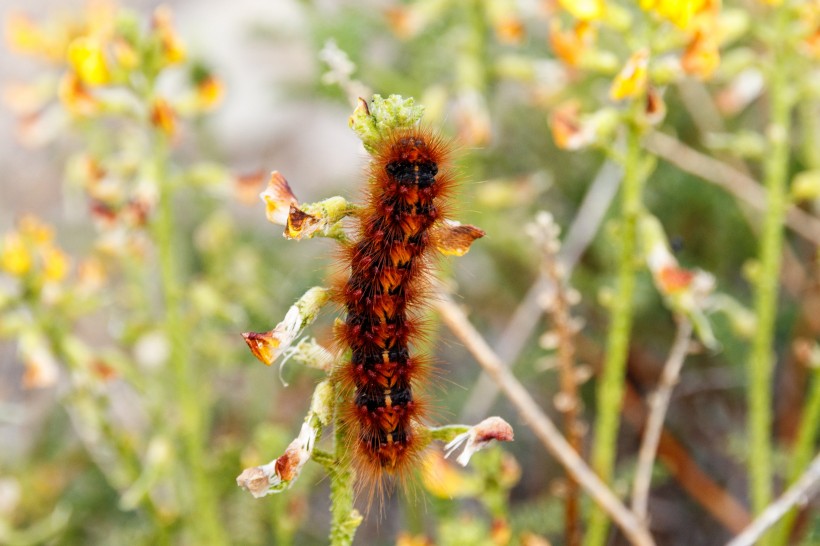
(263, 345)
(301, 224)
(287, 466)
(254, 480)
(655, 106)
(455, 239)
(278, 199)
(246, 185)
(493, 428)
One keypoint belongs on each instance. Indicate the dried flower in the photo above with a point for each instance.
(570, 45)
(452, 238)
(163, 116)
(472, 118)
(41, 366)
(75, 96)
(268, 346)
(279, 474)
(702, 55)
(572, 131)
(567, 130)
(655, 109)
(278, 199)
(173, 50)
(479, 437)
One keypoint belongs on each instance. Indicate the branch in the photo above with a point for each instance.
(523, 322)
(658, 405)
(542, 426)
(799, 493)
(730, 179)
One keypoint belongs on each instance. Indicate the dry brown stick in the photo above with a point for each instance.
(658, 404)
(521, 325)
(717, 501)
(541, 425)
(735, 182)
(799, 493)
(557, 303)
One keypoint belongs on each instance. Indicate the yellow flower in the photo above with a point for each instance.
(173, 50)
(55, 263)
(632, 79)
(23, 36)
(682, 13)
(86, 57)
(209, 93)
(570, 45)
(585, 10)
(124, 54)
(443, 479)
(35, 229)
(76, 97)
(15, 257)
(702, 55)
(163, 117)
(406, 539)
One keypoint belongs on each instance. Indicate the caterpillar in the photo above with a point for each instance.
(389, 258)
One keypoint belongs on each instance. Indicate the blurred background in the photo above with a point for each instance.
(134, 142)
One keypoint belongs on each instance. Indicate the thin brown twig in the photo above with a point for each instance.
(716, 500)
(557, 304)
(523, 322)
(541, 424)
(799, 493)
(742, 186)
(658, 405)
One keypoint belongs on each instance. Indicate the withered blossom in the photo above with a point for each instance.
(452, 238)
(479, 437)
(279, 474)
(301, 225)
(278, 199)
(268, 346)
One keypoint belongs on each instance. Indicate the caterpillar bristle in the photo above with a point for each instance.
(389, 262)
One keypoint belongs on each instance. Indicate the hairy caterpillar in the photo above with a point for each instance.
(389, 258)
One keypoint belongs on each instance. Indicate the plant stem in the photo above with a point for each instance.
(658, 405)
(803, 449)
(344, 518)
(610, 389)
(761, 361)
(800, 493)
(542, 427)
(203, 516)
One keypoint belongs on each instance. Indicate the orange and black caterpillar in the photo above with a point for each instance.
(409, 179)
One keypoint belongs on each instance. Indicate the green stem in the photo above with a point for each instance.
(126, 455)
(807, 435)
(610, 390)
(344, 518)
(203, 516)
(761, 361)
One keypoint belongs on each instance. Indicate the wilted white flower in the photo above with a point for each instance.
(268, 346)
(479, 437)
(278, 198)
(279, 474)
